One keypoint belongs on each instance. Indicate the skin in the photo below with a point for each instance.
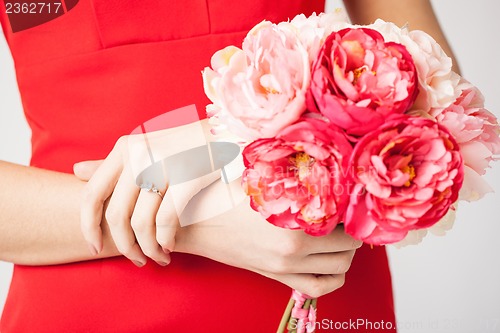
(43, 213)
(40, 237)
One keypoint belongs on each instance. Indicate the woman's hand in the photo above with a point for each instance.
(240, 237)
(226, 229)
(142, 223)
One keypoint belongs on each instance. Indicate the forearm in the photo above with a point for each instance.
(39, 217)
(418, 14)
(40, 220)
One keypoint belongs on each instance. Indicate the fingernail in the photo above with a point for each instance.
(163, 263)
(138, 263)
(166, 251)
(76, 166)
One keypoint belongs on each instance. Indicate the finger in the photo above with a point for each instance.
(144, 226)
(320, 263)
(167, 222)
(173, 204)
(118, 216)
(336, 241)
(96, 192)
(312, 285)
(86, 169)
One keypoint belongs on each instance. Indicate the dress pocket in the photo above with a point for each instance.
(122, 22)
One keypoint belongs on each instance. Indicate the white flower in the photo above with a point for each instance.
(446, 223)
(415, 237)
(313, 30)
(474, 186)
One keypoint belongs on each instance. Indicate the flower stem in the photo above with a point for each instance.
(307, 304)
(292, 325)
(314, 303)
(286, 316)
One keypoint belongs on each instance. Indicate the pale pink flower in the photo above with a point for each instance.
(477, 133)
(475, 129)
(261, 89)
(297, 180)
(359, 80)
(409, 173)
(221, 61)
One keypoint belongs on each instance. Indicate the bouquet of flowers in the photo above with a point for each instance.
(362, 125)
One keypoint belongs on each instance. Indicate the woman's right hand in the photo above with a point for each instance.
(235, 235)
(240, 237)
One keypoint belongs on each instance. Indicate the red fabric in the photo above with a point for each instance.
(94, 74)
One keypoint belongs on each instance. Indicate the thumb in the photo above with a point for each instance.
(175, 200)
(86, 169)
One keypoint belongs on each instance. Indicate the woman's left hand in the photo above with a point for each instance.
(142, 223)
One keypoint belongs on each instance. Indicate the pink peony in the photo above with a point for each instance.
(261, 89)
(407, 174)
(477, 133)
(358, 80)
(296, 180)
(438, 84)
(475, 128)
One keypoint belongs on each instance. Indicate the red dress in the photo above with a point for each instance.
(95, 73)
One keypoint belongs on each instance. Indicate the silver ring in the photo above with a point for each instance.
(151, 188)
